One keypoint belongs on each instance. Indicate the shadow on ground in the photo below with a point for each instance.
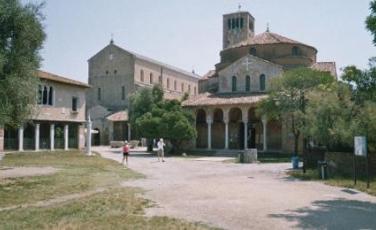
(333, 214)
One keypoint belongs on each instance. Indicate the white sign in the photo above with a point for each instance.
(360, 146)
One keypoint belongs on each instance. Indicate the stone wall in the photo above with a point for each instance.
(341, 164)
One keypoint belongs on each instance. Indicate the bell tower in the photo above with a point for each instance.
(237, 27)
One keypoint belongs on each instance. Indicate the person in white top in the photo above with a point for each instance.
(160, 152)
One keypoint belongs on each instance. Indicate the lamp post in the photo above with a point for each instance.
(88, 136)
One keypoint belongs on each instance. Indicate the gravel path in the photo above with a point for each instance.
(11, 172)
(245, 196)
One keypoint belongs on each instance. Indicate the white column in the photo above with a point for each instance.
(66, 136)
(36, 136)
(264, 125)
(88, 136)
(245, 134)
(52, 137)
(129, 131)
(20, 138)
(226, 134)
(209, 133)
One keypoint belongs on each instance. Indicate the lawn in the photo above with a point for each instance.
(111, 207)
(337, 181)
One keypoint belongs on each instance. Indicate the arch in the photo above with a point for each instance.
(151, 78)
(254, 130)
(218, 129)
(247, 83)
(262, 82)
(295, 51)
(253, 51)
(45, 95)
(51, 96)
(233, 83)
(236, 129)
(202, 129)
(168, 83)
(175, 85)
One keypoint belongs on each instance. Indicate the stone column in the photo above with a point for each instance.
(52, 137)
(1, 139)
(226, 121)
(66, 136)
(245, 134)
(81, 137)
(36, 136)
(110, 131)
(209, 122)
(264, 126)
(20, 138)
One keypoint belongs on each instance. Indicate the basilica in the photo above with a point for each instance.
(228, 96)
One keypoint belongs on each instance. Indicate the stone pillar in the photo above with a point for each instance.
(66, 136)
(1, 139)
(245, 135)
(110, 131)
(52, 137)
(209, 122)
(226, 121)
(81, 137)
(20, 138)
(264, 126)
(37, 136)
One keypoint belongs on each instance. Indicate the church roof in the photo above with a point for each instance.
(268, 38)
(53, 77)
(207, 99)
(326, 67)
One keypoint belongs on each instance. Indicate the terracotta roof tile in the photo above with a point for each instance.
(326, 67)
(206, 99)
(60, 79)
(267, 38)
(118, 116)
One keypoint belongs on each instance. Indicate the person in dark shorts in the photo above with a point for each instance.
(125, 153)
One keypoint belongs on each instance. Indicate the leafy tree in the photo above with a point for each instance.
(155, 117)
(21, 38)
(287, 99)
(371, 20)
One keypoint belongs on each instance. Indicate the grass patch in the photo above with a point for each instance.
(119, 208)
(77, 173)
(114, 208)
(337, 181)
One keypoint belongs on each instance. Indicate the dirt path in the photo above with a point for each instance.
(11, 172)
(236, 196)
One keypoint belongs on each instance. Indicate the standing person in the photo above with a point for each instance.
(160, 152)
(125, 153)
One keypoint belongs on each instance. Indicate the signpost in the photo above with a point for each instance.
(360, 150)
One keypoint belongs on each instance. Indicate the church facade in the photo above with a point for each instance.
(115, 74)
(225, 107)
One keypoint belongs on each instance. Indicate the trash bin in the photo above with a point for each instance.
(295, 162)
(323, 169)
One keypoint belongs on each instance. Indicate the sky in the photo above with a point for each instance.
(188, 34)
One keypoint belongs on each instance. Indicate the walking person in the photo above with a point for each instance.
(125, 153)
(160, 151)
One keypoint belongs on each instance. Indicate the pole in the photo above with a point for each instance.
(354, 169)
(367, 170)
(88, 136)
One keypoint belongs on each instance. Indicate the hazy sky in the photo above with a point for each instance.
(188, 34)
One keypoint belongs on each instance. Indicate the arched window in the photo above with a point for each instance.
(233, 83)
(229, 23)
(151, 78)
(40, 94)
(237, 22)
(262, 82)
(253, 51)
(247, 83)
(233, 23)
(51, 96)
(182, 87)
(168, 83)
(189, 89)
(175, 85)
(142, 76)
(295, 51)
(241, 22)
(195, 90)
(160, 79)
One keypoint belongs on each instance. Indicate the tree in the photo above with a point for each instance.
(287, 98)
(155, 117)
(371, 20)
(21, 38)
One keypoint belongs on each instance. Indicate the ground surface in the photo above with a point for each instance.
(245, 196)
(69, 190)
